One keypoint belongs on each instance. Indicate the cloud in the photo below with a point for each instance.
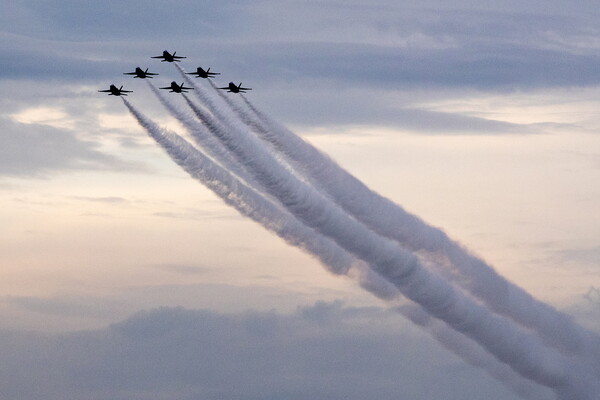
(381, 45)
(585, 256)
(485, 66)
(59, 306)
(349, 107)
(104, 199)
(34, 150)
(84, 22)
(304, 55)
(190, 354)
(182, 269)
(194, 214)
(587, 309)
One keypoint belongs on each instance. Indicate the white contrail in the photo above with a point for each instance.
(251, 204)
(467, 351)
(218, 108)
(205, 98)
(506, 341)
(245, 199)
(213, 148)
(452, 340)
(392, 221)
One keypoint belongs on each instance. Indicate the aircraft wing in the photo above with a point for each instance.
(129, 73)
(157, 57)
(243, 88)
(168, 87)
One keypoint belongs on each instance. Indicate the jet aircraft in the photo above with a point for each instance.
(114, 91)
(235, 89)
(177, 88)
(139, 73)
(200, 73)
(166, 56)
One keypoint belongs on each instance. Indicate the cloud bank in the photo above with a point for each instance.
(323, 350)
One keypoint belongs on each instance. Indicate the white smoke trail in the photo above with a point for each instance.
(205, 98)
(506, 341)
(392, 221)
(213, 148)
(468, 352)
(216, 111)
(245, 199)
(457, 343)
(336, 260)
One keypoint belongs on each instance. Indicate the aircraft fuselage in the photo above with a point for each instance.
(177, 88)
(233, 88)
(201, 73)
(166, 56)
(140, 73)
(115, 91)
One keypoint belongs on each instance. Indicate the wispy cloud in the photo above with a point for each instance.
(181, 269)
(104, 199)
(37, 150)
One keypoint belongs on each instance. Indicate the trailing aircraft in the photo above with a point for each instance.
(235, 89)
(139, 73)
(177, 88)
(166, 56)
(114, 91)
(200, 73)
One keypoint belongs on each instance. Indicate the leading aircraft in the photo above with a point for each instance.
(140, 73)
(114, 91)
(166, 56)
(177, 88)
(235, 89)
(200, 73)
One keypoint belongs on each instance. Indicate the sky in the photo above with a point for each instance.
(122, 277)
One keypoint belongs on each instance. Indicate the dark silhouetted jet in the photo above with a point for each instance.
(113, 91)
(166, 56)
(235, 89)
(139, 73)
(200, 73)
(177, 88)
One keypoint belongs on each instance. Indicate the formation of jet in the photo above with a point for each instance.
(235, 89)
(174, 87)
(114, 91)
(166, 56)
(177, 88)
(139, 73)
(200, 73)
